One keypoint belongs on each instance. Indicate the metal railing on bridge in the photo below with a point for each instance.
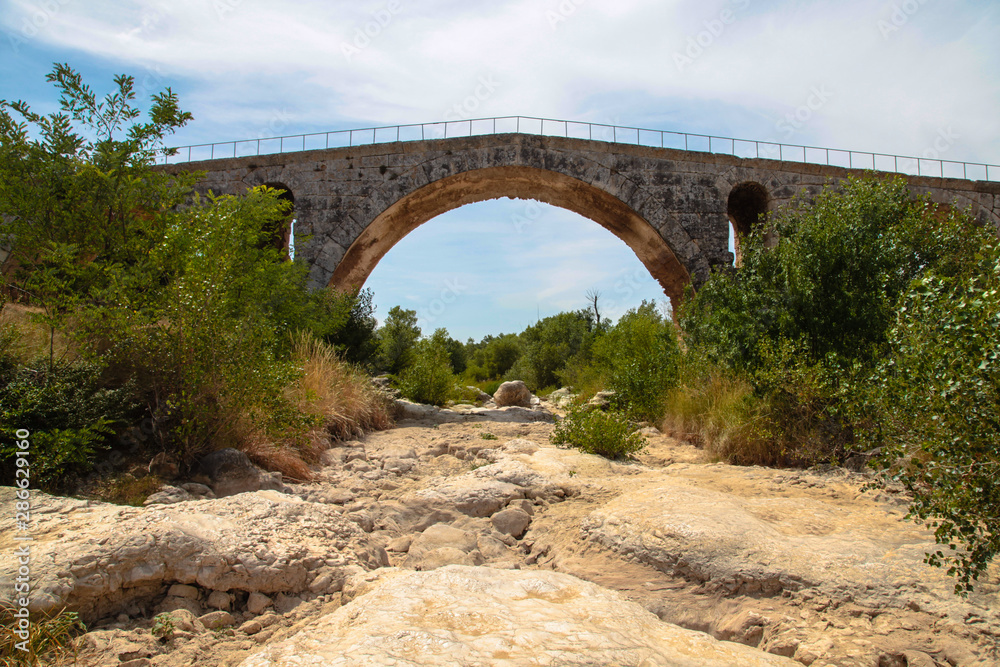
(745, 148)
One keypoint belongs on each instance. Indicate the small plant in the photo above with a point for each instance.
(50, 638)
(487, 436)
(127, 490)
(163, 627)
(608, 434)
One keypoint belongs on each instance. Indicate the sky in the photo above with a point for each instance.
(909, 77)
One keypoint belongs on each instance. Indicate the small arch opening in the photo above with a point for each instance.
(748, 203)
(279, 231)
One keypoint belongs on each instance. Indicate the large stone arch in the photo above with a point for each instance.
(516, 182)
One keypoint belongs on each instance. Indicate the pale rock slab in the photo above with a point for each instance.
(96, 558)
(459, 615)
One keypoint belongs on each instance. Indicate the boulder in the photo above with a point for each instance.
(257, 603)
(511, 522)
(229, 471)
(515, 393)
(415, 411)
(217, 619)
(163, 466)
(168, 495)
(601, 401)
(458, 615)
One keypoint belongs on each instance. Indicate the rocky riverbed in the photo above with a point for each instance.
(462, 537)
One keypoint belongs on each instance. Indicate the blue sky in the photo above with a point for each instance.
(892, 77)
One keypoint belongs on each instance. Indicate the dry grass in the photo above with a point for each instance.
(722, 415)
(339, 398)
(51, 638)
(339, 394)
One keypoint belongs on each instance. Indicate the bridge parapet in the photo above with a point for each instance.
(672, 207)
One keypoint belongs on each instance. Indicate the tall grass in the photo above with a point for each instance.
(51, 638)
(720, 413)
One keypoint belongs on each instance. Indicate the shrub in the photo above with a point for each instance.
(933, 405)
(639, 358)
(610, 434)
(70, 414)
(429, 378)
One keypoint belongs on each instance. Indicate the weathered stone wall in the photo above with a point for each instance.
(669, 206)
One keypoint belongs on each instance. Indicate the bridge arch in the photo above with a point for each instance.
(515, 182)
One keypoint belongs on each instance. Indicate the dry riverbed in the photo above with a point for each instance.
(465, 538)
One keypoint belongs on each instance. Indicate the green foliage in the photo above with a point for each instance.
(934, 407)
(872, 322)
(350, 326)
(70, 413)
(639, 357)
(491, 358)
(831, 282)
(397, 338)
(429, 378)
(487, 436)
(610, 434)
(51, 638)
(163, 627)
(546, 347)
(93, 198)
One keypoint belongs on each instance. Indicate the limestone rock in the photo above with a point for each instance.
(108, 555)
(219, 600)
(229, 471)
(471, 494)
(417, 411)
(217, 619)
(257, 603)
(184, 591)
(481, 616)
(601, 400)
(511, 522)
(163, 466)
(764, 544)
(514, 392)
(168, 495)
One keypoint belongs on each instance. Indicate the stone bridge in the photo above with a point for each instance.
(672, 207)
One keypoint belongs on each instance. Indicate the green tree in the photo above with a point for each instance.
(429, 378)
(397, 337)
(92, 194)
(639, 358)
(933, 406)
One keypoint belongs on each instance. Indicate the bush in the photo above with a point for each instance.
(639, 358)
(70, 413)
(610, 434)
(429, 378)
(933, 405)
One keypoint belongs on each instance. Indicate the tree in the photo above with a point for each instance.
(933, 406)
(94, 196)
(397, 337)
